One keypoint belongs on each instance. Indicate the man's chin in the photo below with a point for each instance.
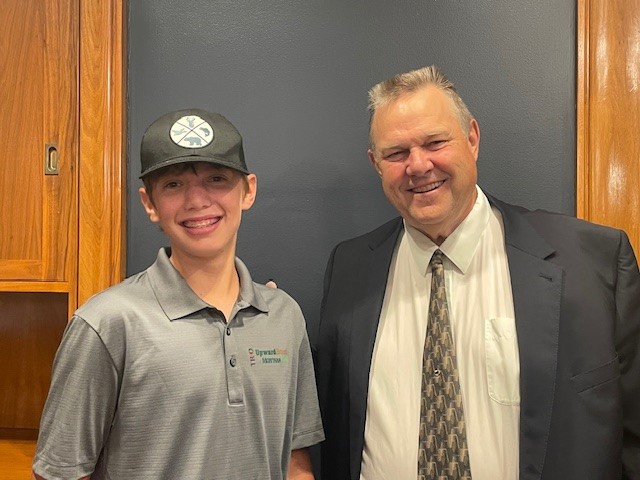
(426, 217)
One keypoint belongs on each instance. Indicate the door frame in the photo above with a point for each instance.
(102, 147)
(599, 162)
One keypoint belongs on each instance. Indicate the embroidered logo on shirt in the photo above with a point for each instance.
(268, 356)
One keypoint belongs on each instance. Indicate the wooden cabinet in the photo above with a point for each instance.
(61, 182)
(39, 150)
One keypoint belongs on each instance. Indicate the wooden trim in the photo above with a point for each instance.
(607, 115)
(60, 242)
(43, 287)
(582, 112)
(102, 186)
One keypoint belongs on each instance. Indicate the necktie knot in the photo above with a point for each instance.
(436, 259)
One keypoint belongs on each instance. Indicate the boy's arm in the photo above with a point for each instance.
(300, 465)
(80, 406)
(307, 424)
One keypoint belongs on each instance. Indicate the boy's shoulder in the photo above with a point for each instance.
(280, 304)
(129, 296)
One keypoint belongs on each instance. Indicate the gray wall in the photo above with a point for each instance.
(292, 75)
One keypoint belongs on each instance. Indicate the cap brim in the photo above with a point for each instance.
(194, 158)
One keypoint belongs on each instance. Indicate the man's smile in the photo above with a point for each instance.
(427, 188)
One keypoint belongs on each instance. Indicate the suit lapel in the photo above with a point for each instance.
(537, 295)
(373, 274)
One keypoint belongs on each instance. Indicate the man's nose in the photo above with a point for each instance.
(419, 162)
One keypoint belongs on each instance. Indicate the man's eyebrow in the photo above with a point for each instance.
(427, 136)
(392, 148)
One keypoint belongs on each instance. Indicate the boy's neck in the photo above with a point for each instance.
(215, 281)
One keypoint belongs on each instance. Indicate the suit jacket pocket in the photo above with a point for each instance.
(503, 362)
(596, 376)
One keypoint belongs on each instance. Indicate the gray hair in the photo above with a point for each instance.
(388, 90)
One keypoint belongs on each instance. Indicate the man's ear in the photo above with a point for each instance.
(251, 191)
(373, 162)
(147, 203)
(474, 137)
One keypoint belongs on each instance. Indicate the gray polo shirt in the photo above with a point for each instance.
(150, 382)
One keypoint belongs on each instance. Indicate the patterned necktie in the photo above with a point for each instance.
(442, 451)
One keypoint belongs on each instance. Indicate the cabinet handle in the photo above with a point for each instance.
(50, 159)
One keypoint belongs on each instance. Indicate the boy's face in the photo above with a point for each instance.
(199, 209)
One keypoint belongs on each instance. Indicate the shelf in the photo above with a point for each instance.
(36, 287)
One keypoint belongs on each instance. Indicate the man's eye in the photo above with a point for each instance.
(436, 144)
(394, 156)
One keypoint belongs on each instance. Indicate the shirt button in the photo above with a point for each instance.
(228, 331)
(437, 372)
(232, 361)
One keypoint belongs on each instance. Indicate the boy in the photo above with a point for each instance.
(188, 369)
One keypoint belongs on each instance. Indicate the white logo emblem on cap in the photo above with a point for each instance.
(191, 131)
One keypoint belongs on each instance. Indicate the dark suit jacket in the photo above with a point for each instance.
(576, 292)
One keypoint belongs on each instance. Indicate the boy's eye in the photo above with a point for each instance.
(171, 184)
(217, 178)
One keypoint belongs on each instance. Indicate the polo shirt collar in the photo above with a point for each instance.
(460, 246)
(178, 300)
(249, 296)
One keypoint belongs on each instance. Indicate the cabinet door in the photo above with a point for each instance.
(39, 146)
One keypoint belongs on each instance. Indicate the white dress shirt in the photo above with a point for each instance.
(483, 326)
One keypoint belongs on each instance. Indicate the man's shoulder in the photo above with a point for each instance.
(559, 230)
(547, 217)
(373, 249)
(374, 237)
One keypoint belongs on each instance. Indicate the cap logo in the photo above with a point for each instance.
(191, 131)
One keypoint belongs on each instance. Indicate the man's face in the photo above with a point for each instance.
(199, 209)
(425, 160)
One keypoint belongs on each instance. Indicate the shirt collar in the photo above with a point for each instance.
(460, 246)
(178, 300)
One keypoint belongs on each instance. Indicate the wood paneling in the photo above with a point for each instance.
(68, 227)
(101, 256)
(608, 103)
(22, 65)
(38, 94)
(30, 331)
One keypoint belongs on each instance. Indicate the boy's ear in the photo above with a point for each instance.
(250, 193)
(147, 203)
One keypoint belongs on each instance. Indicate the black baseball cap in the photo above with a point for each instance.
(191, 135)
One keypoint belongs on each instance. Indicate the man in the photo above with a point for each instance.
(187, 370)
(542, 378)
